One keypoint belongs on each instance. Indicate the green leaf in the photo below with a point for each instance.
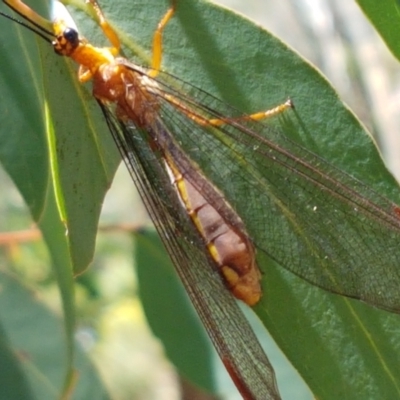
(33, 352)
(342, 348)
(85, 158)
(14, 384)
(385, 16)
(65, 194)
(24, 154)
(23, 131)
(169, 315)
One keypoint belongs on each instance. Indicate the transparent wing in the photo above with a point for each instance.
(312, 218)
(228, 329)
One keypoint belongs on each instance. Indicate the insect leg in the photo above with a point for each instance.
(256, 116)
(157, 41)
(203, 121)
(109, 32)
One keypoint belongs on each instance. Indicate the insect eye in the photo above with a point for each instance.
(71, 36)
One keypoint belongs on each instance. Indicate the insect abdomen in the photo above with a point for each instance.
(230, 247)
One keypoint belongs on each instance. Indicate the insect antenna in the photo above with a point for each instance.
(31, 25)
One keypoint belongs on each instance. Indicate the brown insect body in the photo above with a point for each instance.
(133, 92)
(228, 245)
(131, 99)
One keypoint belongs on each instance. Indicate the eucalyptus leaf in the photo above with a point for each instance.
(385, 16)
(341, 347)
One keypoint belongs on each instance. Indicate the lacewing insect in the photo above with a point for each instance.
(156, 125)
(209, 232)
